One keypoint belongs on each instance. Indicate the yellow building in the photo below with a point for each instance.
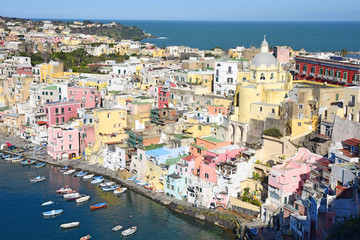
(92, 82)
(155, 175)
(159, 53)
(53, 70)
(203, 78)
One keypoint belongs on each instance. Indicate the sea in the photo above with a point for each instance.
(21, 211)
(312, 36)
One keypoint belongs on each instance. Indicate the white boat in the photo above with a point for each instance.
(84, 198)
(117, 228)
(64, 190)
(106, 184)
(129, 231)
(48, 203)
(37, 179)
(12, 158)
(97, 180)
(89, 176)
(119, 190)
(53, 213)
(17, 160)
(110, 188)
(72, 196)
(68, 172)
(69, 225)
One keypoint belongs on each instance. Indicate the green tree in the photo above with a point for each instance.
(344, 52)
(273, 132)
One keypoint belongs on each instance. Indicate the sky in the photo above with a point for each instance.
(226, 10)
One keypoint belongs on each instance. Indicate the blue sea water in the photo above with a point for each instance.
(21, 211)
(312, 36)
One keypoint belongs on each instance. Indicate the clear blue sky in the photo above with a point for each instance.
(323, 10)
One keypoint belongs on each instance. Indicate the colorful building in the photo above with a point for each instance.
(61, 112)
(63, 143)
(89, 97)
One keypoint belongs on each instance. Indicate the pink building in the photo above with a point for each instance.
(286, 180)
(60, 112)
(89, 97)
(185, 165)
(63, 142)
(87, 137)
(214, 156)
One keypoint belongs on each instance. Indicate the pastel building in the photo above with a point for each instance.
(89, 97)
(63, 142)
(61, 112)
(286, 180)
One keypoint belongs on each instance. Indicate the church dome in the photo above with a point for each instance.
(266, 59)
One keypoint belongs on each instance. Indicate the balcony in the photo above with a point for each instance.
(351, 104)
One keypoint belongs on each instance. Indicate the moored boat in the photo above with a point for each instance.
(64, 190)
(40, 165)
(71, 196)
(117, 228)
(13, 158)
(53, 213)
(110, 188)
(69, 172)
(80, 174)
(131, 179)
(119, 190)
(97, 180)
(106, 184)
(48, 203)
(37, 179)
(69, 225)
(87, 237)
(88, 176)
(82, 199)
(98, 206)
(38, 148)
(64, 169)
(28, 162)
(129, 231)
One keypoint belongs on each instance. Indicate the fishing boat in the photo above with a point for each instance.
(84, 198)
(88, 176)
(69, 172)
(53, 213)
(28, 162)
(87, 237)
(117, 228)
(119, 190)
(48, 203)
(106, 184)
(97, 180)
(129, 231)
(69, 225)
(80, 174)
(40, 165)
(131, 179)
(98, 206)
(110, 188)
(12, 158)
(17, 160)
(71, 196)
(37, 179)
(64, 169)
(64, 190)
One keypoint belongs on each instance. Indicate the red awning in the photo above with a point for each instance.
(42, 123)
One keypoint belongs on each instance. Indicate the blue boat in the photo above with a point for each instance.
(28, 162)
(97, 177)
(64, 169)
(97, 180)
(40, 165)
(131, 179)
(53, 213)
(5, 156)
(38, 148)
(80, 174)
(110, 188)
(99, 205)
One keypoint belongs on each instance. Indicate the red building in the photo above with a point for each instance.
(163, 96)
(24, 70)
(334, 70)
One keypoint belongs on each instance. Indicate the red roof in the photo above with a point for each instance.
(352, 142)
(189, 158)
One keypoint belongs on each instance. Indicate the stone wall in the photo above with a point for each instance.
(344, 129)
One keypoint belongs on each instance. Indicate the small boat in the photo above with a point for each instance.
(6, 156)
(110, 188)
(97, 177)
(80, 174)
(17, 160)
(117, 228)
(82, 199)
(48, 203)
(88, 176)
(131, 179)
(92, 164)
(40, 165)
(64, 190)
(87, 237)
(69, 172)
(129, 231)
(106, 184)
(69, 225)
(64, 169)
(53, 213)
(97, 180)
(72, 196)
(38, 148)
(148, 186)
(37, 179)
(98, 206)
(28, 162)
(140, 183)
(119, 190)
(13, 158)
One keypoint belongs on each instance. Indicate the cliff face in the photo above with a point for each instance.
(316, 145)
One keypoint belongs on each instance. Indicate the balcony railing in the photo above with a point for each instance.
(351, 104)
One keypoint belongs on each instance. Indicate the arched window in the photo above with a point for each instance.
(262, 77)
(206, 175)
(253, 74)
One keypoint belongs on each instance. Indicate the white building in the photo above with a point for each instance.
(225, 78)
(114, 157)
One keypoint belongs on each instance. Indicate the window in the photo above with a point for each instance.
(326, 72)
(229, 69)
(338, 74)
(62, 119)
(300, 115)
(345, 75)
(273, 110)
(216, 79)
(70, 146)
(62, 110)
(260, 109)
(321, 71)
(331, 73)
(70, 137)
(51, 93)
(262, 76)
(356, 77)
(59, 90)
(199, 150)
(299, 124)
(337, 97)
(206, 175)
(298, 66)
(229, 80)
(46, 93)
(305, 69)
(108, 115)
(313, 70)
(272, 76)
(69, 109)
(300, 106)
(57, 120)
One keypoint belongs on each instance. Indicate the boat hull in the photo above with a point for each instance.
(69, 225)
(98, 206)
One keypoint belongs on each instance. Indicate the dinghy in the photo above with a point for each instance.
(71, 196)
(69, 172)
(117, 228)
(98, 206)
(40, 165)
(37, 179)
(88, 176)
(48, 203)
(129, 231)
(69, 225)
(53, 213)
(119, 190)
(84, 198)
(110, 188)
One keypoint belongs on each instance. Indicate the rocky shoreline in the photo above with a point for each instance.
(227, 221)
